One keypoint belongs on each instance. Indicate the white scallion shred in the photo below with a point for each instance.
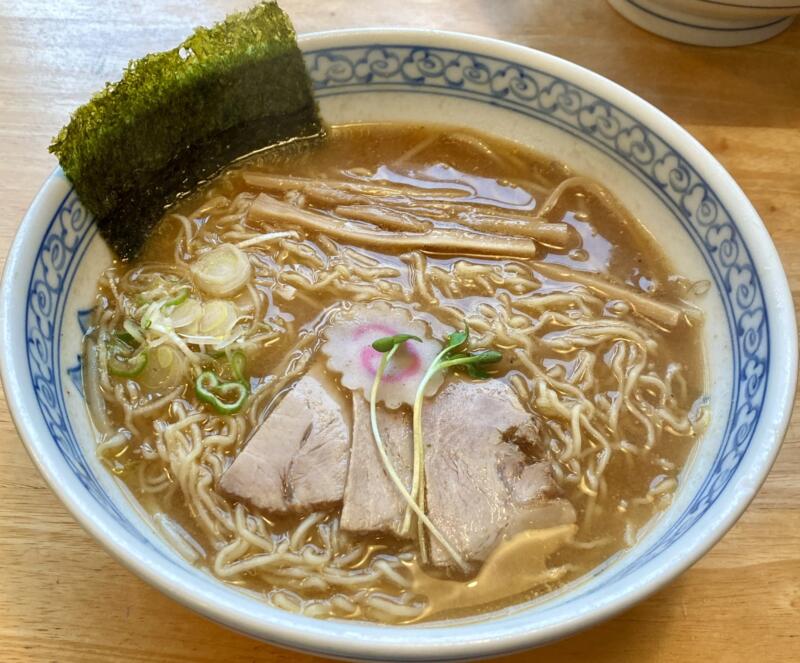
(267, 237)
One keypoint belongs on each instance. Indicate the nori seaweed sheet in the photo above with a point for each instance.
(177, 118)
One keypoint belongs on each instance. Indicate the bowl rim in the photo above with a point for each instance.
(417, 642)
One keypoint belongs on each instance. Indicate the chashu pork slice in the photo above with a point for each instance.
(297, 459)
(481, 486)
(372, 502)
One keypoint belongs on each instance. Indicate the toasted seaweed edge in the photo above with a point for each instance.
(178, 117)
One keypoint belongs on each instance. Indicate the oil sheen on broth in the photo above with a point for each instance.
(600, 349)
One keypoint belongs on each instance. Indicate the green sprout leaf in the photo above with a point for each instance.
(457, 339)
(472, 363)
(476, 372)
(388, 342)
(488, 357)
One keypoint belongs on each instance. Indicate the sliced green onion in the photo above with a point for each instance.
(223, 271)
(128, 367)
(126, 340)
(219, 317)
(238, 366)
(166, 369)
(185, 315)
(134, 331)
(224, 397)
(182, 296)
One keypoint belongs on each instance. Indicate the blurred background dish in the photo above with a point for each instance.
(711, 22)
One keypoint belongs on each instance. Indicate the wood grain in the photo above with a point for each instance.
(62, 598)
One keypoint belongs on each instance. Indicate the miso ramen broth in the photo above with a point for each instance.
(229, 373)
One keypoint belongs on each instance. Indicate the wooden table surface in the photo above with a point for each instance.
(62, 598)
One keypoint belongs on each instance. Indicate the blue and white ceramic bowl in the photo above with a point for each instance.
(664, 176)
(711, 22)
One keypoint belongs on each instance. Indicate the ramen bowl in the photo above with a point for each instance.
(682, 195)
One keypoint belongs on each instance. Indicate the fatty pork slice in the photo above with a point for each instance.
(297, 460)
(481, 487)
(372, 502)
